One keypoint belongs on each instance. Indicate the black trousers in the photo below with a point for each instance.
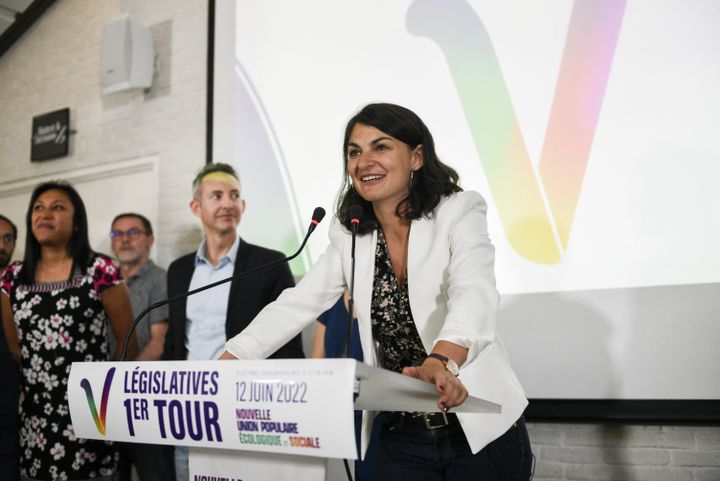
(9, 448)
(153, 462)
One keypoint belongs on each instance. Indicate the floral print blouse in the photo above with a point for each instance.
(59, 323)
(393, 327)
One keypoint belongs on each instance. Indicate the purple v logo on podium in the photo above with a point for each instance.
(99, 418)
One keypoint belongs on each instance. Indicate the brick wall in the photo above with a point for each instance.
(625, 452)
(56, 64)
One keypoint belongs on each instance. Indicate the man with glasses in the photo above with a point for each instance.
(9, 374)
(132, 238)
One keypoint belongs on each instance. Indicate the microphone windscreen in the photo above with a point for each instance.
(355, 213)
(318, 215)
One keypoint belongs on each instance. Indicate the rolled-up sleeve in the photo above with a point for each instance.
(472, 298)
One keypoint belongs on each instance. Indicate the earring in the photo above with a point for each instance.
(412, 172)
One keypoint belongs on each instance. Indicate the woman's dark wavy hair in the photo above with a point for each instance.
(430, 183)
(79, 244)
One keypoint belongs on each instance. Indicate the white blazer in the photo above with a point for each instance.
(451, 284)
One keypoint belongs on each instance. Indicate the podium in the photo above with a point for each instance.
(244, 420)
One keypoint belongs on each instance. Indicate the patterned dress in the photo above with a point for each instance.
(59, 323)
(393, 326)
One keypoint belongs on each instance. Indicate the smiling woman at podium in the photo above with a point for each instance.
(425, 298)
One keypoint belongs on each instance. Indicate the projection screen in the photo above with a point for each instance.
(591, 127)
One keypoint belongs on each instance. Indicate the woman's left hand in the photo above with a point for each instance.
(452, 391)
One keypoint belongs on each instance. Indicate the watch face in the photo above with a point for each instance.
(452, 367)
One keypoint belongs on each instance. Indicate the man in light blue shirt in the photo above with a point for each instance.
(206, 311)
(200, 324)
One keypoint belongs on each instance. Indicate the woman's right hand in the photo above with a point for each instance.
(452, 392)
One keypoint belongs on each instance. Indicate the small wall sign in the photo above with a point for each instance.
(50, 134)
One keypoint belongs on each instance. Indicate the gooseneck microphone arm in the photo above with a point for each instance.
(318, 215)
(355, 214)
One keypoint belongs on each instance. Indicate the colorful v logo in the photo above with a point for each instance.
(99, 420)
(538, 232)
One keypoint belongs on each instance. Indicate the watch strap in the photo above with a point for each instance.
(439, 357)
(446, 362)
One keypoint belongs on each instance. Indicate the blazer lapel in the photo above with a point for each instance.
(419, 247)
(241, 261)
(186, 268)
(364, 275)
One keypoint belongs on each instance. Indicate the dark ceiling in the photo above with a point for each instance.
(16, 17)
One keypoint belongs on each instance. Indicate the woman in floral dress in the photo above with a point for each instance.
(61, 298)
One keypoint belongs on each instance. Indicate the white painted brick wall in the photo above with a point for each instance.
(56, 64)
(622, 452)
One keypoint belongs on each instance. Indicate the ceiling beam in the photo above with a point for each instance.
(22, 23)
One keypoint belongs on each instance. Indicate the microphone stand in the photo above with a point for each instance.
(318, 214)
(355, 216)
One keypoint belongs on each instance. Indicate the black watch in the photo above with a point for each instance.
(450, 365)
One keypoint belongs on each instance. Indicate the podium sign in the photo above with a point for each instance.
(213, 464)
(287, 415)
(297, 407)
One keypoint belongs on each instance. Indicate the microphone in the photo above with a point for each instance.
(355, 213)
(317, 216)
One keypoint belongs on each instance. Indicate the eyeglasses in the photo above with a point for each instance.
(8, 238)
(130, 233)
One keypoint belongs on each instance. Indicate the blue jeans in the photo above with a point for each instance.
(182, 473)
(412, 452)
(364, 469)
